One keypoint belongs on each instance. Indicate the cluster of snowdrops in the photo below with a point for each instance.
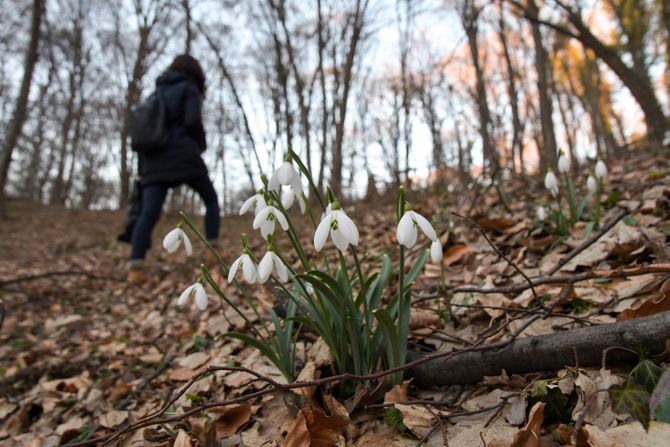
(362, 320)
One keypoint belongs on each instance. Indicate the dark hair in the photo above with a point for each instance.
(191, 66)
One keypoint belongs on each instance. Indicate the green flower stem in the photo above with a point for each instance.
(597, 199)
(367, 312)
(219, 292)
(572, 201)
(291, 231)
(403, 314)
(343, 266)
(308, 175)
(226, 269)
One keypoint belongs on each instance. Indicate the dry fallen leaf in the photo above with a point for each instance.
(314, 429)
(231, 419)
(182, 440)
(397, 394)
(629, 435)
(650, 307)
(113, 418)
(455, 254)
(417, 418)
(529, 436)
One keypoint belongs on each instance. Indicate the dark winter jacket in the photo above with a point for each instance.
(180, 159)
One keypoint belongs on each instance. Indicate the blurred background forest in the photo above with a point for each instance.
(368, 92)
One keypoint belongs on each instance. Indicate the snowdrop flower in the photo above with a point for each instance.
(173, 239)
(406, 232)
(257, 201)
(285, 175)
(289, 196)
(248, 268)
(563, 163)
(341, 228)
(591, 184)
(541, 213)
(270, 261)
(436, 251)
(551, 182)
(265, 220)
(601, 169)
(198, 291)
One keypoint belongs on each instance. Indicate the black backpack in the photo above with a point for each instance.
(147, 124)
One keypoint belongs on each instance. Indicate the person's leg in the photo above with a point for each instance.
(205, 189)
(153, 197)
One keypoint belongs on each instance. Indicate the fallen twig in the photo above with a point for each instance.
(588, 242)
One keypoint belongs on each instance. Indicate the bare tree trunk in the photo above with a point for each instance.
(132, 96)
(517, 129)
(469, 16)
(280, 10)
(357, 28)
(324, 99)
(665, 18)
(15, 126)
(548, 154)
(642, 91)
(186, 4)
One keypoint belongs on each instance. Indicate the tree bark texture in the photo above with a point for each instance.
(15, 126)
(548, 352)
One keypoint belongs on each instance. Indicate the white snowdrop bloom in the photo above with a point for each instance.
(563, 164)
(328, 210)
(541, 213)
(436, 251)
(284, 175)
(406, 232)
(288, 196)
(270, 261)
(591, 184)
(248, 269)
(198, 291)
(341, 228)
(173, 240)
(551, 182)
(601, 169)
(265, 220)
(257, 201)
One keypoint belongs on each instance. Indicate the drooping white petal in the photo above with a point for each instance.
(246, 206)
(200, 296)
(279, 216)
(286, 174)
(260, 204)
(425, 225)
(327, 211)
(551, 183)
(339, 239)
(262, 216)
(601, 169)
(287, 199)
(591, 184)
(321, 233)
(563, 164)
(188, 248)
(436, 251)
(301, 202)
(233, 269)
(267, 227)
(265, 267)
(348, 227)
(185, 294)
(282, 271)
(406, 231)
(249, 269)
(172, 240)
(541, 213)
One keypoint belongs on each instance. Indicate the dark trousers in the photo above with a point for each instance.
(153, 197)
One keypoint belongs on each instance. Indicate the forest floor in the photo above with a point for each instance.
(84, 355)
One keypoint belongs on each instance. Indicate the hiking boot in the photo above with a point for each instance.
(137, 275)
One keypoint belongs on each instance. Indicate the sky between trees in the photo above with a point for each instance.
(389, 90)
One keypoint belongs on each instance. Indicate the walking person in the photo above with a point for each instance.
(182, 87)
